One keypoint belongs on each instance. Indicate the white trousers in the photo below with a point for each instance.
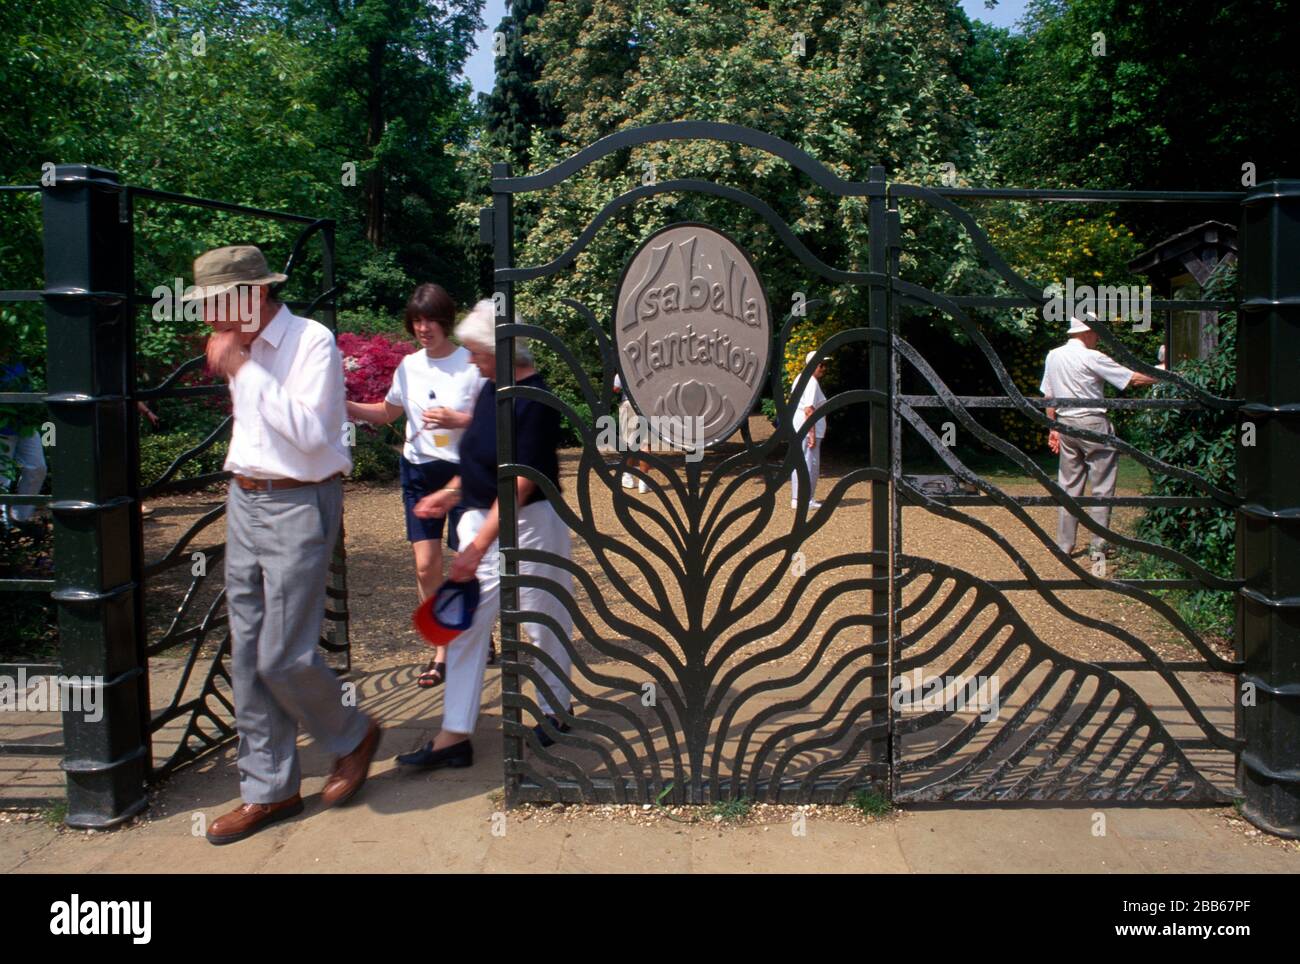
(30, 458)
(540, 527)
(812, 457)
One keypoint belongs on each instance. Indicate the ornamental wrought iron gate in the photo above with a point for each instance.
(725, 649)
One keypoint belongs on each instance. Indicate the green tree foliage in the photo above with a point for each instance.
(853, 84)
(518, 106)
(256, 103)
(985, 65)
(1184, 95)
(259, 104)
(386, 86)
(1204, 442)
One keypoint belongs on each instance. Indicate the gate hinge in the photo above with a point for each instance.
(485, 226)
(894, 229)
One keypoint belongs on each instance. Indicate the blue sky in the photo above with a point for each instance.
(479, 67)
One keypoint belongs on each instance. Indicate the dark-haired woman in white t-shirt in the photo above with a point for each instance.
(435, 389)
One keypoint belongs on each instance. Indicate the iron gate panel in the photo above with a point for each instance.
(719, 606)
(708, 548)
(1072, 730)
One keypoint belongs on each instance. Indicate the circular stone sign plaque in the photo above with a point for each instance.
(693, 332)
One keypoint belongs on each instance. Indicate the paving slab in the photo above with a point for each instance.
(825, 847)
(1010, 841)
(599, 846)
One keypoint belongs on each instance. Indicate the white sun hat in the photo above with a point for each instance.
(1080, 322)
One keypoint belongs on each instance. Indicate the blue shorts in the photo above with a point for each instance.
(417, 482)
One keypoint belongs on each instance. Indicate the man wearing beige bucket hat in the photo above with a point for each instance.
(1076, 370)
(287, 458)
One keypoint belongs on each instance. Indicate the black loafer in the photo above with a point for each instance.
(457, 755)
(544, 738)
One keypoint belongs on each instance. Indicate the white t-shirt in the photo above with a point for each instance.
(812, 396)
(1076, 371)
(422, 382)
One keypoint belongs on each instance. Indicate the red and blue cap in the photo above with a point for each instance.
(447, 613)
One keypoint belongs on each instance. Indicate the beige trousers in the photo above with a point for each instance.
(1085, 460)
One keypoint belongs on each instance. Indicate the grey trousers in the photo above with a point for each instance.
(1085, 460)
(278, 549)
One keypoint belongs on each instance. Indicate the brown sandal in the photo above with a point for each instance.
(433, 675)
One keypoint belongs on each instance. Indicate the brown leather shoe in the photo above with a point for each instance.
(350, 771)
(250, 818)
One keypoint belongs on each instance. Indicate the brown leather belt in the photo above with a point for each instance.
(274, 485)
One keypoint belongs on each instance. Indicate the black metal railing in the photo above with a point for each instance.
(26, 584)
(102, 572)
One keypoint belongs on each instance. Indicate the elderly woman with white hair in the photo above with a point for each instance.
(537, 438)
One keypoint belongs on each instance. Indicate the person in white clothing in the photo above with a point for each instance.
(812, 398)
(28, 456)
(630, 436)
(1077, 370)
(435, 389)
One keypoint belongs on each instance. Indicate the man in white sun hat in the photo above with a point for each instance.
(1077, 370)
(812, 398)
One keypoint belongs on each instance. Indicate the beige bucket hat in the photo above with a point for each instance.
(219, 270)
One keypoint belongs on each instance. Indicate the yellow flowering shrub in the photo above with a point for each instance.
(806, 336)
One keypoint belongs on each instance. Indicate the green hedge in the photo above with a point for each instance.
(29, 618)
(158, 451)
(374, 458)
(1204, 442)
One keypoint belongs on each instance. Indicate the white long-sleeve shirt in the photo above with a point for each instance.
(290, 404)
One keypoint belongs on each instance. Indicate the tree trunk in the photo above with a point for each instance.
(374, 132)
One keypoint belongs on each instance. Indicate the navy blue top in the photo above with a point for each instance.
(537, 438)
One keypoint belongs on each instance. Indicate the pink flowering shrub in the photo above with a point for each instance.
(368, 364)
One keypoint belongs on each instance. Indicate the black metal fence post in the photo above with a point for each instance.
(878, 380)
(1268, 522)
(893, 225)
(88, 286)
(503, 293)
